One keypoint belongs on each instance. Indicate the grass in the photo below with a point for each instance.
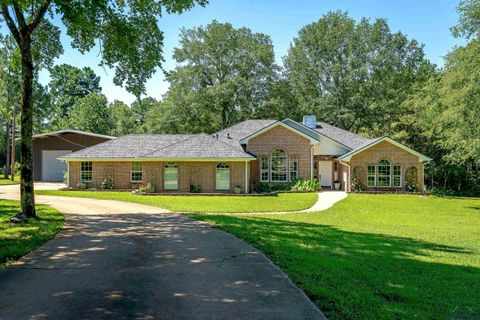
(4, 181)
(18, 239)
(280, 202)
(376, 256)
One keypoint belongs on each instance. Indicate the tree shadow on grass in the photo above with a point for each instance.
(19, 239)
(352, 275)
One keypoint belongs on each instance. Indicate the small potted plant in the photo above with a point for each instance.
(238, 189)
(336, 183)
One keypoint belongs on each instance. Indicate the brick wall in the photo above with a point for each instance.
(279, 137)
(200, 173)
(392, 153)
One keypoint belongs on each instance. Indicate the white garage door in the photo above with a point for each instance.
(53, 169)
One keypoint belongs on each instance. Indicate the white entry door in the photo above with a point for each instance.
(53, 169)
(325, 173)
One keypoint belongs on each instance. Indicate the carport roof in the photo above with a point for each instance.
(70, 131)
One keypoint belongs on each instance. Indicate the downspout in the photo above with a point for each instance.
(68, 174)
(348, 187)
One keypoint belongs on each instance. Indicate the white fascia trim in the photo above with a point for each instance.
(348, 156)
(157, 159)
(273, 125)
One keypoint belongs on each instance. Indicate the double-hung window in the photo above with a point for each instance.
(86, 172)
(397, 176)
(293, 168)
(371, 176)
(136, 171)
(279, 162)
(222, 176)
(383, 173)
(264, 169)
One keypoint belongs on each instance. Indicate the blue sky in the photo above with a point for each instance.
(427, 21)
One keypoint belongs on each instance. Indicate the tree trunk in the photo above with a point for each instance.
(14, 122)
(26, 160)
(7, 144)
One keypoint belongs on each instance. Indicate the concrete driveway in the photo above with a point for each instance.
(116, 260)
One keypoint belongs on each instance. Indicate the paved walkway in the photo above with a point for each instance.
(116, 260)
(326, 199)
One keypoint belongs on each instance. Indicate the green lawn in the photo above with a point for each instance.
(280, 202)
(3, 181)
(19, 239)
(376, 256)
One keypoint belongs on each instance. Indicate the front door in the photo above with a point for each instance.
(325, 173)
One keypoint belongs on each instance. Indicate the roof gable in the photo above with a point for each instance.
(312, 140)
(348, 156)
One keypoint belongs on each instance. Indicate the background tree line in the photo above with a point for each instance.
(358, 74)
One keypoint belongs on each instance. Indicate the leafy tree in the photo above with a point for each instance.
(356, 74)
(222, 75)
(91, 114)
(162, 118)
(69, 84)
(122, 118)
(140, 109)
(469, 21)
(281, 103)
(131, 43)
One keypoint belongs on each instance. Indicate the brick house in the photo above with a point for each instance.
(249, 153)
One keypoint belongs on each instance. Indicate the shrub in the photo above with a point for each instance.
(16, 168)
(141, 187)
(107, 184)
(261, 187)
(150, 187)
(411, 184)
(304, 185)
(195, 188)
(357, 178)
(82, 185)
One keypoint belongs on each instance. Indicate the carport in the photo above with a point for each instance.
(47, 147)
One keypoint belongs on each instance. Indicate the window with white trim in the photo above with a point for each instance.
(170, 176)
(371, 176)
(86, 172)
(383, 173)
(279, 162)
(293, 168)
(264, 169)
(222, 176)
(397, 176)
(136, 171)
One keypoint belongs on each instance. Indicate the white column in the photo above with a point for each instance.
(311, 163)
(246, 176)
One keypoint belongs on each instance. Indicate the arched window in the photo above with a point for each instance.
(383, 173)
(170, 176)
(279, 163)
(222, 176)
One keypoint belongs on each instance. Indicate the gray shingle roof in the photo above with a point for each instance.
(200, 146)
(347, 138)
(184, 146)
(232, 135)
